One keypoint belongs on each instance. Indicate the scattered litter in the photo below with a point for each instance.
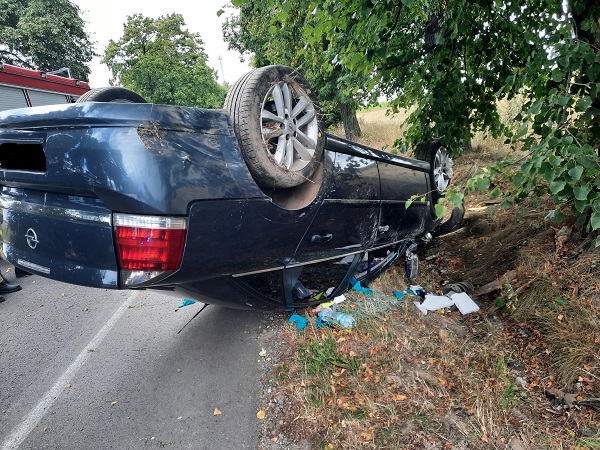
(216, 412)
(299, 321)
(329, 291)
(345, 320)
(417, 290)
(326, 305)
(399, 295)
(357, 287)
(180, 417)
(261, 414)
(339, 299)
(266, 369)
(464, 303)
(521, 382)
(434, 302)
(186, 302)
(321, 323)
(420, 307)
(262, 352)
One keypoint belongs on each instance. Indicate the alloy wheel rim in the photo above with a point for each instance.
(442, 169)
(289, 127)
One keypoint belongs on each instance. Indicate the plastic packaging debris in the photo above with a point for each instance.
(434, 302)
(420, 307)
(339, 299)
(345, 320)
(299, 321)
(464, 303)
(186, 302)
(329, 291)
(322, 323)
(416, 290)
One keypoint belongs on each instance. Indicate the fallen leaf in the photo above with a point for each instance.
(400, 398)
(68, 385)
(62, 294)
(262, 352)
(261, 414)
(484, 438)
(114, 403)
(216, 412)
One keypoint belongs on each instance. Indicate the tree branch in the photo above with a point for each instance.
(16, 56)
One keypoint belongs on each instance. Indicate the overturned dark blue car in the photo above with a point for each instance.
(253, 206)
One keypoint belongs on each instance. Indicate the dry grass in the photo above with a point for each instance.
(379, 126)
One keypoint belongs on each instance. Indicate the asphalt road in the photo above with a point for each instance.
(83, 368)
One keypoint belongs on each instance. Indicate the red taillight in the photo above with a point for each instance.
(149, 243)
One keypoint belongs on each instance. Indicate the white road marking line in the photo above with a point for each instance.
(30, 421)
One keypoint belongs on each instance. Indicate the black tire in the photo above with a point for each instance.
(111, 94)
(441, 171)
(276, 119)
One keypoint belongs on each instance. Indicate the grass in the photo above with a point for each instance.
(402, 380)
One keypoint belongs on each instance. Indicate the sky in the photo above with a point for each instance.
(105, 18)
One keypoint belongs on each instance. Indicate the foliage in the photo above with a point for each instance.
(275, 34)
(453, 61)
(45, 35)
(164, 62)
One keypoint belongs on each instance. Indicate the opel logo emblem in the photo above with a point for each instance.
(32, 239)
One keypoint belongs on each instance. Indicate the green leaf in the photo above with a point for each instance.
(581, 192)
(440, 209)
(576, 173)
(519, 179)
(597, 242)
(483, 184)
(557, 186)
(558, 75)
(584, 103)
(595, 221)
(220, 12)
(408, 2)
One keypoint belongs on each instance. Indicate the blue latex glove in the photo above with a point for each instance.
(399, 295)
(186, 302)
(359, 288)
(299, 321)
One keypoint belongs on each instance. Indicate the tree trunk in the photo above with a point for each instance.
(351, 126)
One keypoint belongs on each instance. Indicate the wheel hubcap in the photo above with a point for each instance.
(290, 128)
(442, 169)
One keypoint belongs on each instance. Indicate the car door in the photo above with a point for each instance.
(347, 219)
(399, 182)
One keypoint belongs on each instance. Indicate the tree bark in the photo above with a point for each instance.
(351, 126)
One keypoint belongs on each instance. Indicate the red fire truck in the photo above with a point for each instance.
(20, 88)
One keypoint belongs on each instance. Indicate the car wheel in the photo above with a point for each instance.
(276, 120)
(441, 171)
(111, 94)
